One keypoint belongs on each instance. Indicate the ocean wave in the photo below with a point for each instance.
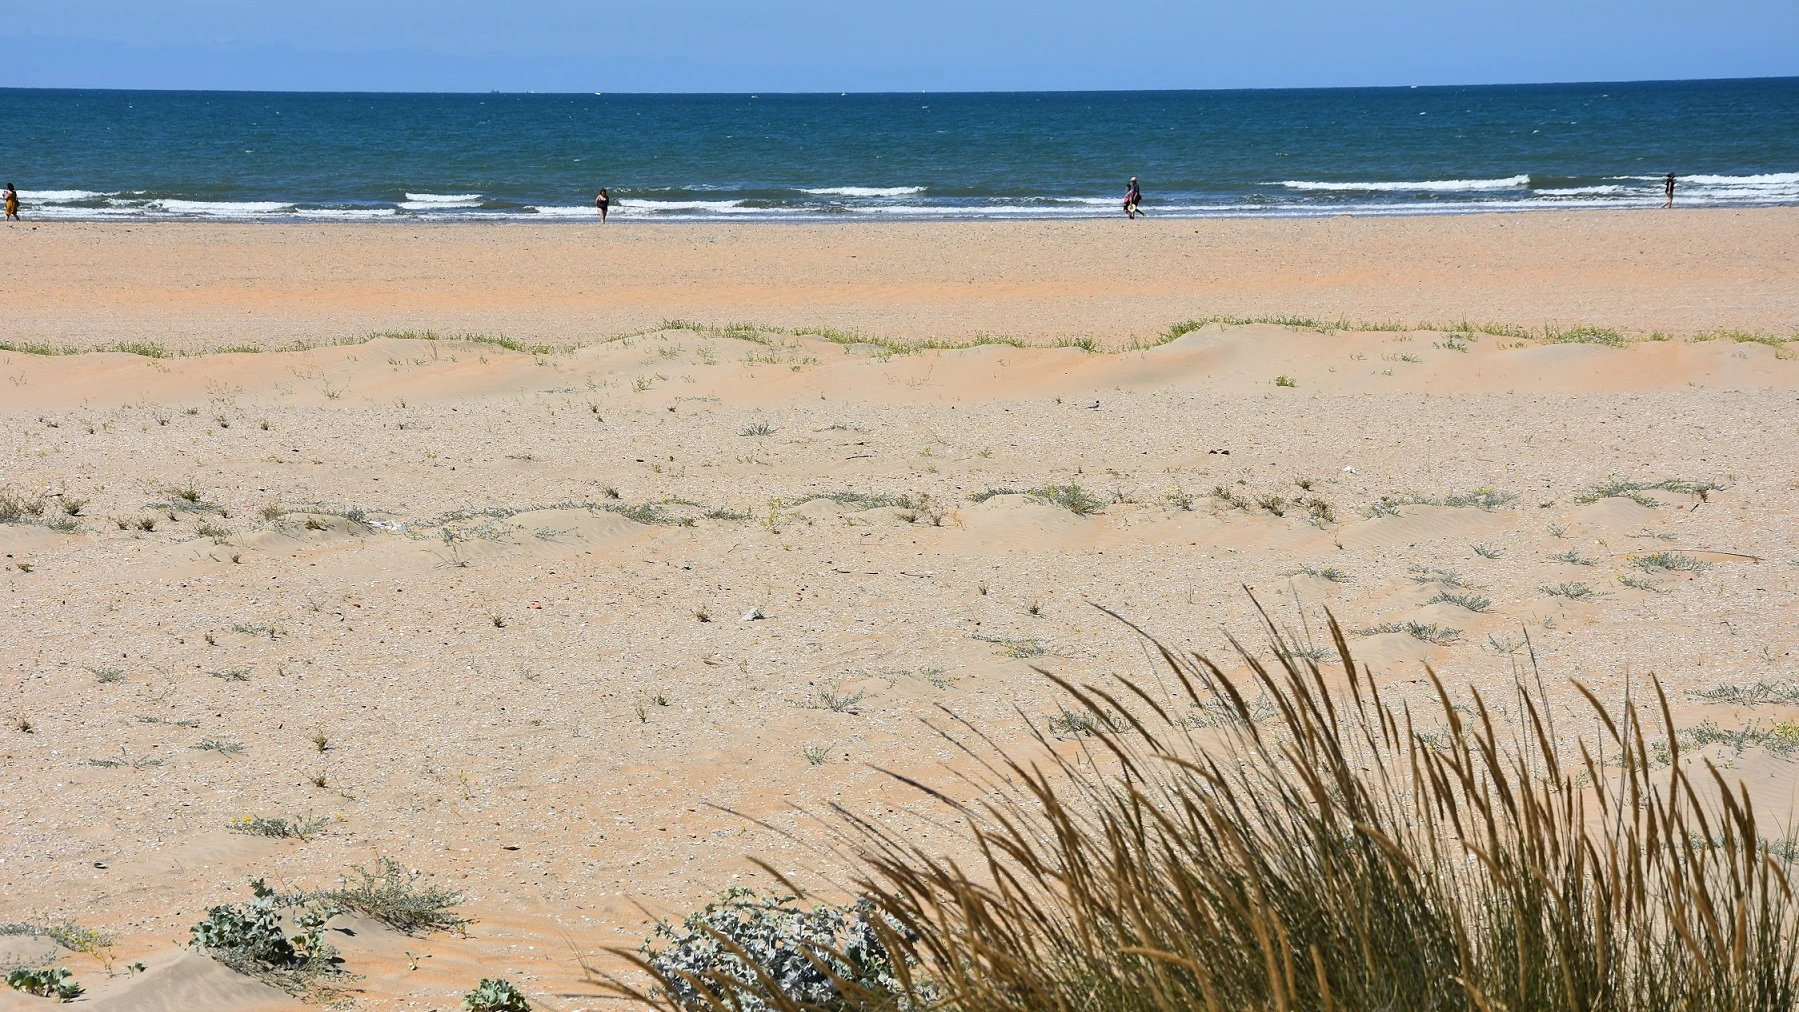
(674, 206)
(1761, 179)
(345, 213)
(58, 196)
(222, 208)
(1444, 185)
(440, 202)
(563, 212)
(865, 191)
(1582, 191)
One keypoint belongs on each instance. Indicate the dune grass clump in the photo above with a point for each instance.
(1357, 852)
(20, 508)
(1427, 632)
(1573, 558)
(1742, 336)
(1481, 498)
(1072, 498)
(864, 500)
(1335, 574)
(1431, 574)
(1636, 491)
(297, 827)
(1585, 335)
(1784, 692)
(1672, 562)
(1471, 602)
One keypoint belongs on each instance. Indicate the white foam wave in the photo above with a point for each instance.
(1446, 185)
(670, 206)
(565, 212)
(345, 213)
(81, 213)
(1764, 179)
(865, 191)
(443, 198)
(226, 208)
(1580, 191)
(58, 196)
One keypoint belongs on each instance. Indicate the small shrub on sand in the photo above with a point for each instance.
(755, 953)
(252, 938)
(495, 996)
(56, 983)
(401, 899)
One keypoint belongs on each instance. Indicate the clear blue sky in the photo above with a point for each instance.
(936, 45)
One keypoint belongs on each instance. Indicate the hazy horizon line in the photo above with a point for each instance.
(987, 91)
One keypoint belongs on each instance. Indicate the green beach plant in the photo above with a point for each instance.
(56, 983)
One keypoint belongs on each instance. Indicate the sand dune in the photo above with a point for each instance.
(545, 610)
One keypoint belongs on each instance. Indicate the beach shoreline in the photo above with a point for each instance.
(189, 286)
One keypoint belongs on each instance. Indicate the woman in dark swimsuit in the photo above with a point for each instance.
(604, 203)
(1133, 197)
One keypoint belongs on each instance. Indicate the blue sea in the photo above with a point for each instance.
(113, 155)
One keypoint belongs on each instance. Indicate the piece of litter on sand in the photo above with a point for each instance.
(386, 525)
(752, 615)
(1351, 470)
(1094, 405)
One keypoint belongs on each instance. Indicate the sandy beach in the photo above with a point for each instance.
(531, 619)
(191, 286)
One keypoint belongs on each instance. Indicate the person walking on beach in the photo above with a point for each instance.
(603, 203)
(12, 203)
(1668, 188)
(1132, 198)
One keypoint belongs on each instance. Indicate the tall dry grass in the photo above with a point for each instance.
(1353, 852)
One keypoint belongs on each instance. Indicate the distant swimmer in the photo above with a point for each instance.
(1668, 188)
(603, 203)
(1132, 198)
(12, 203)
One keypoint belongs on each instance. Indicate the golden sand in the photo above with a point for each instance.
(516, 594)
